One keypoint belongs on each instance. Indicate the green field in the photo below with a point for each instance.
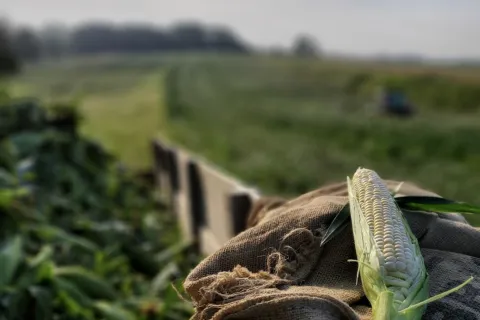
(290, 126)
(285, 125)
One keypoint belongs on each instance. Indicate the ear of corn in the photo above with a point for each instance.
(390, 262)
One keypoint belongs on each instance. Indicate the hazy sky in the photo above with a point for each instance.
(438, 28)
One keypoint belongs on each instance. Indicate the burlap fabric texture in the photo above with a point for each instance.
(277, 270)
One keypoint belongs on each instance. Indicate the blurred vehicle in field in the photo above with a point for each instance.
(393, 101)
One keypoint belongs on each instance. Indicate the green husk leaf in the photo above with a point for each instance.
(437, 297)
(338, 224)
(413, 203)
(397, 189)
(435, 204)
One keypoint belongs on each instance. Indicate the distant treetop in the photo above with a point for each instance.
(306, 46)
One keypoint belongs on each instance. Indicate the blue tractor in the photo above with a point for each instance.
(394, 102)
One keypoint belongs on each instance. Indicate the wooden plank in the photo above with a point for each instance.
(209, 243)
(162, 175)
(240, 205)
(183, 198)
(158, 155)
(211, 206)
(196, 195)
(218, 189)
(172, 169)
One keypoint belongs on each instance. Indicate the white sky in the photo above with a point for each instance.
(437, 28)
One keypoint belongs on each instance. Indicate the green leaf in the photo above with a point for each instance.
(43, 302)
(7, 196)
(105, 265)
(171, 301)
(107, 231)
(72, 309)
(44, 254)
(113, 312)
(141, 261)
(18, 304)
(341, 220)
(49, 232)
(27, 142)
(73, 292)
(170, 252)
(7, 179)
(162, 279)
(25, 171)
(25, 279)
(10, 258)
(88, 282)
(141, 303)
(45, 270)
(435, 204)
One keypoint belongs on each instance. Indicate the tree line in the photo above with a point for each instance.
(53, 41)
(25, 44)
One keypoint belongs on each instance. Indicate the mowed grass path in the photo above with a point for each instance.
(119, 99)
(126, 122)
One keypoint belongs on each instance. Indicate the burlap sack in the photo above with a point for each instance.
(277, 270)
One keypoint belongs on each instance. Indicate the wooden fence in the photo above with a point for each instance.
(211, 206)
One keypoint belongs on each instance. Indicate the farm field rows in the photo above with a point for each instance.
(289, 127)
